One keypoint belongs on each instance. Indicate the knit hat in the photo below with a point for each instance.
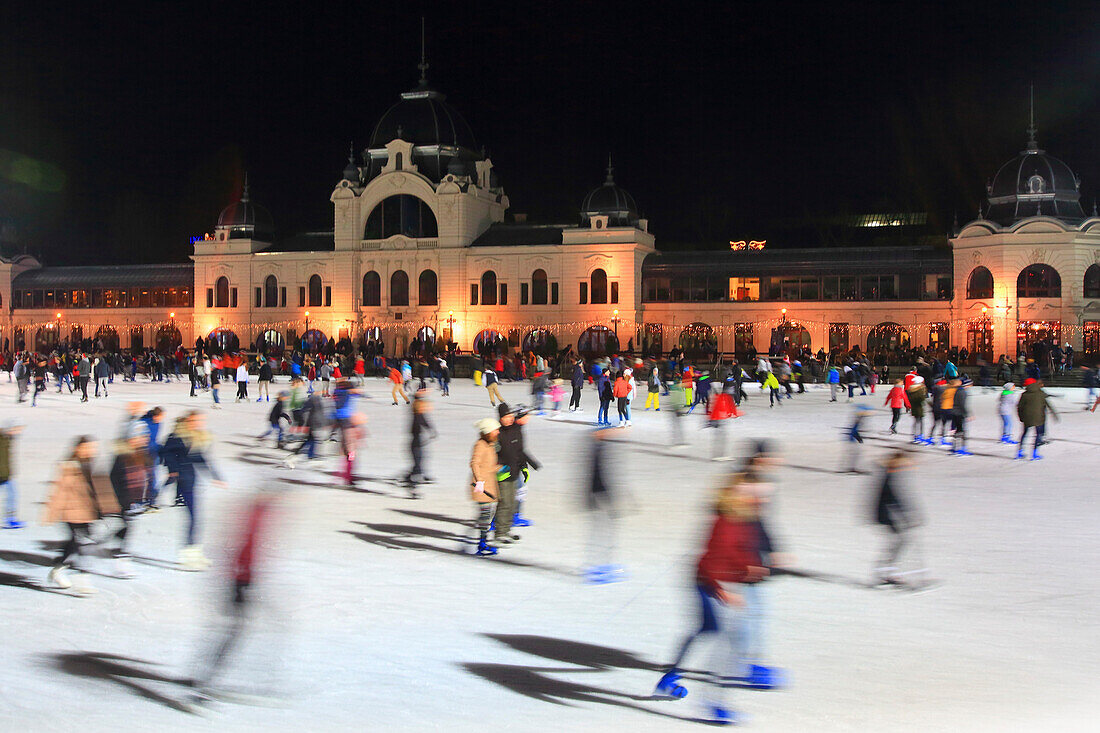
(503, 409)
(486, 425)
(1029, 381)
(1009, 386)
(915, 381)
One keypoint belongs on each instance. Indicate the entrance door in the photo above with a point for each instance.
(979, 339)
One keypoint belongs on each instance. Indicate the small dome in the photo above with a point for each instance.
(612, 201)
(351, 170)
(246, 220)
(1034, 184)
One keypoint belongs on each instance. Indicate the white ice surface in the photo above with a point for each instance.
(371, 618)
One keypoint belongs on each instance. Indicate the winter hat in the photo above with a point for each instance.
(1009, 386)
(503, 409)
(1029, 381)
(486, 425)
(916, 380)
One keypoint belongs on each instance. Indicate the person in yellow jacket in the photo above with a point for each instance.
(772, 383)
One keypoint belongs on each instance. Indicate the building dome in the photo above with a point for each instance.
(423, 117)
(246, 220)
(611, 201)
(1034, 184)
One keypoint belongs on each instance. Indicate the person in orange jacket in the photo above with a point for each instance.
(398, 386)
(621, 392)
(896, 400)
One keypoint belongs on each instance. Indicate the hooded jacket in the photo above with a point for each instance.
(1033, 406)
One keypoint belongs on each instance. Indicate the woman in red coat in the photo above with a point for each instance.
(896, 400)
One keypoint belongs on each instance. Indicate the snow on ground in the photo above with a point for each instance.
(373, 617)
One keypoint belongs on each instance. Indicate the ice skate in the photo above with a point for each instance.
(765, 678)
(124, 568)
(669, 687)
(13, 523)
(82, 586)
(520, 521)
(718, 715)
(58, 578)
(485, 549)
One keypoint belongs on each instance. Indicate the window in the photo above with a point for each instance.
(282, 297)
(524, 293)
(744, 288)
(743, 338)
(584, 293)
(259, 297)
(473, 293)
(615, 292)
(221, 292)
(210, 297)
(399, 288)
(489, 288)
(504, 293)
(328, 295)
(271, 292)
(1039, 281)
(599, 286)
(1092, 282)
(372, 289)
(315, 291)
(429, 288)
(554, 294)
(232, 298)
(301, 296)
(401, 214)
(980, 284)
(538, 287)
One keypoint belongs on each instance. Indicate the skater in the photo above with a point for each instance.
(313, 419)
(275, 418)
(242, 380)
(621, 391)
(215, 378)
(491, 381)
(510, 456)
(940, 416)
(855, 438)
(653, 398)
(1006, 408)
(263, 380)
(517, 463)
(918, 395)
(8, 434)
(78, 499)
(182, 453)
(727, 577)
(1032, 409)
(128, 476)
(422, 431)
(894, 512)
(576, 381)
(149, 431)
(557, 396)
(601, 502)
(896, 400)
(22, 373)
(102, 372)
(772, 384)
(398, 389)
(607, 393)
(960, 415)
(483, 480)
(833, 378)
(352, 430)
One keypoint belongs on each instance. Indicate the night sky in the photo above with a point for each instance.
(122, 133)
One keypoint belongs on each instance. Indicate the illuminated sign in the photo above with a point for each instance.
(752, 244)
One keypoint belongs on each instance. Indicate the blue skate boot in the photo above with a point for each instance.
(1019, 454)
(669, 687)
(765, 678)
(1036, 457)
(519, 520)
(720, 716)
(604, 574)
(485, 549)
(13, 523)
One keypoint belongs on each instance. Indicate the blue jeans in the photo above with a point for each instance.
(743, 626)
(276, 428)
(188, 496)
(1006, 426)
(601, 416)
(9, 497)
(151, 490)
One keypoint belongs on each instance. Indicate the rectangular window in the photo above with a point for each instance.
(584, 294)
(282, 297)
(259, 297)
(38, 298)
(523, 291)
(232, 297)
(810, 289)
(838, 336)
(97, 298)
(553, 293)
(614, 292)
(849, 288)
(742, 338)
(789, 289)
(301, 297)
(909, 287)
(504, 293)
(473, 293)
(943, 288)
(829, 289)
(681, 289)
(869, 287)
(888, 287)
(328, 295)
(769, 288)
(210, 297)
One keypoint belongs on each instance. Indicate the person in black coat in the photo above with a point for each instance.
(577, 382)
(513, 459)
(893, 511)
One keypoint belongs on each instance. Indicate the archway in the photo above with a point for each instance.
(488, 342)
(106, 339)
(272, 343)
(597, 341)
(541, 341)
(887, 336)
(424, 343)
(980, 284)
(790, 338)
(221, 340)
(313, 340)
(698, 341)
(168, 339)
(1039, 281)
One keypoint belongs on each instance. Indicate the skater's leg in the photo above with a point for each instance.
(506, 507)
(708, 625)
(233, 631)
(188, 496)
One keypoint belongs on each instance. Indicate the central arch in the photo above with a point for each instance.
(401, 214)
(597, 341)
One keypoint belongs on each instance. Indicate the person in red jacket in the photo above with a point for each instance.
(726, 576)
(896, 400)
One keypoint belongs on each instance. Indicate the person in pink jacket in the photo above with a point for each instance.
(896, 400)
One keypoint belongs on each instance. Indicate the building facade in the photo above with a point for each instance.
(423, 249)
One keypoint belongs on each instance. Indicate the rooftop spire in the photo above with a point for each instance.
(610, 178)
(423, 65)
(1031, 129)
(351, 152)
(244, 192)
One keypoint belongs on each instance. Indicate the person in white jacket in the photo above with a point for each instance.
(242, 380)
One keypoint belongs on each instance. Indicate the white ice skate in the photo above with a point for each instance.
(57, 577)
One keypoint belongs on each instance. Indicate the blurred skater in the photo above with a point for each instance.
(183, 453)
(483, 480)
(893, 511)
(601, 501)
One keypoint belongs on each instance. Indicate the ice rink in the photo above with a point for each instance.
(373, 617)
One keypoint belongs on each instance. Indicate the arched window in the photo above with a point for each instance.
(429, 288)
(597, 341)
(401, 214)
(221, 292)
(489, 288)
(698, 341)
(541, 341)
(372, 289)
(315, 291)
(399, 288)
(538, 287)
(271, 292)
(1039, 281)
(488, 342)
(887, 336)
(1092, 282)
(599, 286)
(980, 284)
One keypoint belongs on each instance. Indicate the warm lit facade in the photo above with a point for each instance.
(423, 247)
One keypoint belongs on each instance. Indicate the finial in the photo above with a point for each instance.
(1094, 208)
(1031, 129)
(400, 132)
(610, 178)
(351, 152)
(244, 192)
(423, 65)
(955, 223)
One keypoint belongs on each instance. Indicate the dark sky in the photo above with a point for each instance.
(124, 131)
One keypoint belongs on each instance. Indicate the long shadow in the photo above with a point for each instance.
(435, 517)
(394, 542)
(819, 576)
(259, 461)
(112, 667)
(574, 652)
(532, 682)
(19, 581)
(27, 557)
